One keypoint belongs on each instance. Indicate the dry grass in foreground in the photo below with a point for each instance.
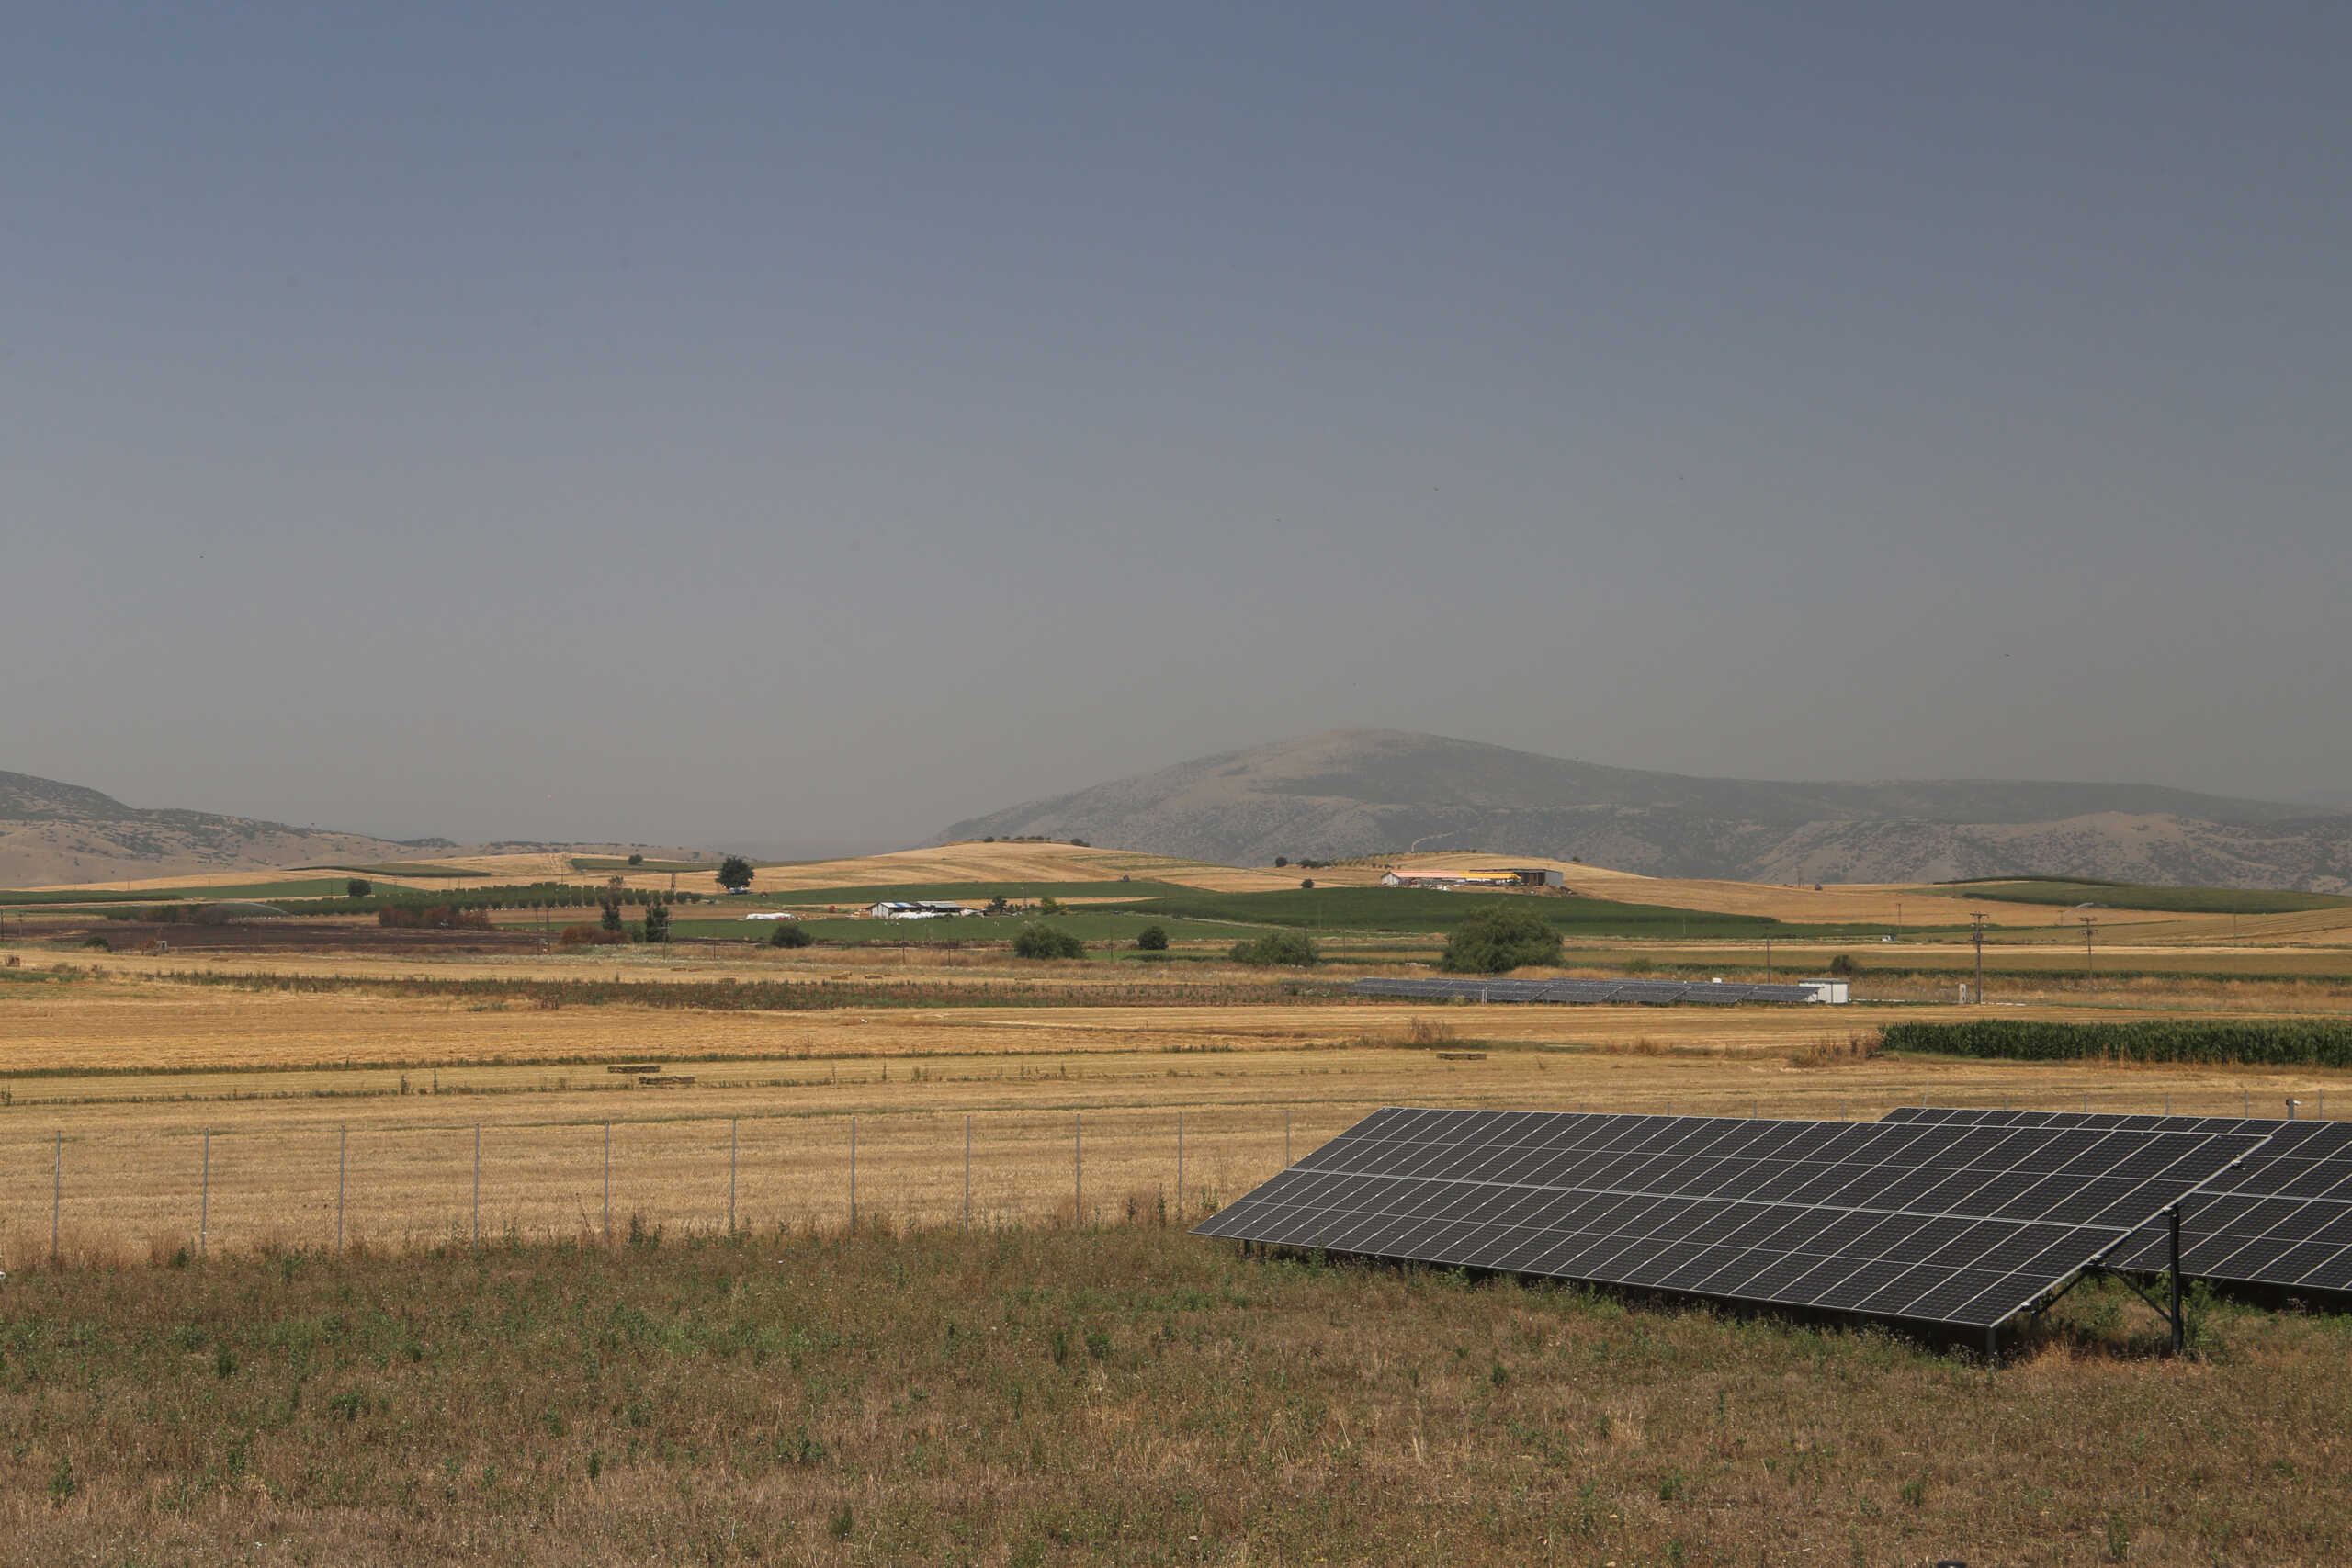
(1111, 1396)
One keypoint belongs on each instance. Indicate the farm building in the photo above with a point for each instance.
(1516, 877)
(918, 909)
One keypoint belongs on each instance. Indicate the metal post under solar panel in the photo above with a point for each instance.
(2172, 1230)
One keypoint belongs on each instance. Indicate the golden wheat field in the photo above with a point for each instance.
(146, 1108)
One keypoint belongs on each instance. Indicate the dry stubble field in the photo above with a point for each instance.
(146, 1105)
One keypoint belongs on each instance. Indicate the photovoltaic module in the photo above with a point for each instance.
(1926, 1222)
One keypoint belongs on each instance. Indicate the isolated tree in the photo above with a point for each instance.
(1049, 905)
(734, 874)
(612, 916)
(1498, 941)
(636, 860)
(1280, 861)
(1306, 882)
(1845, 966)
(358, 887)
(1291, 950)
(996, 906)
(1152, 938)
(788, 933)
(657, 922)
(1047, 941)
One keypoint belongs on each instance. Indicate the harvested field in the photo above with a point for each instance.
(132, 1145)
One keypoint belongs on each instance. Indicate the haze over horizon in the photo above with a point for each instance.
(729, 424)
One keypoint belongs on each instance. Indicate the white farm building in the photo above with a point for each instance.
(918, 909)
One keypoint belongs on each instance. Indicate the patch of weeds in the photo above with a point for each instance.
(224, 1363)
(2118, 1538)
(801, 1448)
(842, 1523)
(62, 1484)
(1098, 1344)
(1669, 1486)
(1057, 1346)
(1914, 1492)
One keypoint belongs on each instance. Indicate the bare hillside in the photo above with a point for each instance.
(53, 833)
(1356, 792)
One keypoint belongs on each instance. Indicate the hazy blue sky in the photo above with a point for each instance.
(809, 426)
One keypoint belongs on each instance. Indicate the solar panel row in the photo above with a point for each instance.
(1651, 993)
(2283, 1218)
(1956, 1224)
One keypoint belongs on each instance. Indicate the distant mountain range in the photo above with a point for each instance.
(53, 832)
(1357, 792)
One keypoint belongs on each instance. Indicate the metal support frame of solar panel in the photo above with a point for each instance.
(1649, 993)
(1954, 1226)
(2284, 1220)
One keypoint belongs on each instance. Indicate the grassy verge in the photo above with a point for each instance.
(1130, 1396)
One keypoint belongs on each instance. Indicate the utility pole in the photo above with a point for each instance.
(1979, 958)
(2090, 970)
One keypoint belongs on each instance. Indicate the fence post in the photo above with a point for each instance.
(853, 1176)
(342, 1144)
(608, 1184)
(731, 1124)
(476, 1185)
(204, 1196)
(56, 1195)
(967, 1173)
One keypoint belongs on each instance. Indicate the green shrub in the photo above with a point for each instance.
(1500, 939)
(1047, 941)
(1289, 949)
(1845, 966)
(358, 887)
(789, 933)
(1152, 938)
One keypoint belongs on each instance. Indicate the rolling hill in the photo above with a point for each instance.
(1359, 791)
(52, 833)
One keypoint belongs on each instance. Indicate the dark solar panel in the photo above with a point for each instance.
(2283, 1217)
(1650, 993)
(1951, 1225)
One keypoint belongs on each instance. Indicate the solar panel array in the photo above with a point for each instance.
(1650, 993)
(1952, 1224)
(2284, 1219)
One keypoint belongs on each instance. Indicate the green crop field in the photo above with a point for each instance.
(1088, 925)
(311, 888)
(617, 862)
(2068, 891)
(971, 892)
(421, 870)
